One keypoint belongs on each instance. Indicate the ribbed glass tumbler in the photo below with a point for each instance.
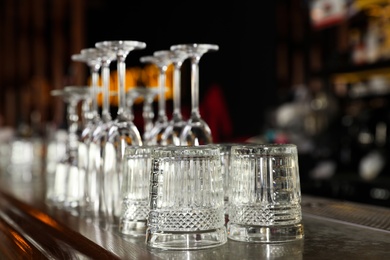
(186, 198)
(135, 190)
(265, 194)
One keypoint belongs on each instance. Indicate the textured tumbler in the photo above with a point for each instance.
(186, 198)
(265, 193)
(135, 190)
(224, 149)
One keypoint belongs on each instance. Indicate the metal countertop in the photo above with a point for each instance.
(29, 229)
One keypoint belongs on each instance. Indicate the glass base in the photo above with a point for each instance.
(261, 234)
(133, 228)
(186, 240)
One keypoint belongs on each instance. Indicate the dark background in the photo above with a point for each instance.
(244, 66)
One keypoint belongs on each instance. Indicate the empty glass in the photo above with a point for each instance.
(135, 190)
(94, 207)
(175, 126)
(186, 198)
(162, 60)
(265, 194)
(55, 152)
(68, 183)
(122, 133)
(148, 94)
(196, 131)
(225, 149)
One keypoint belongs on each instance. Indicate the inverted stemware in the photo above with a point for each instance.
(68, 183)
(148, 94)
(197, 131)
(162, 60)
(92, 57)
(93, 198)
(175, 126)
(122, 133)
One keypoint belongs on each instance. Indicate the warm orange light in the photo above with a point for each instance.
(135, 77)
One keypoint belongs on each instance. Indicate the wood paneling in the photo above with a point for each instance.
(37, 38)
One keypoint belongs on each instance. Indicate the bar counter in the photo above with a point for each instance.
(29, 229)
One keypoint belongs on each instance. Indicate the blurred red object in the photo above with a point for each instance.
(214, 110)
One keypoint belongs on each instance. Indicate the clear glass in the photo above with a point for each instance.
(131, 96)
(197, 131)
(162, 60)
(171, 135)
(186, 198)
(94, 208)
(69, 183)
(122, 133)
(92, 57)
(55, 154)
(148, 94)
(137, 166)
(265, 194)
(24, 163)
(225, 152)
(88, 114)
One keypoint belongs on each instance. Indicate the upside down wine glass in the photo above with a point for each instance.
(67, 186)
(131, 96)
(161, 59)
(91, 56)
(196, 132)
(175, 126)
(93, 199)
(121, 134)
(148, 94)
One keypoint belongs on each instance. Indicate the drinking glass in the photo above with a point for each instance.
(122, 133)
(186, 198)
(196, 131)
(93, 197)
(55, 153)
(89, 107)
(148, 94)
(265, 194)
(162, 60)
(131, 95)
(68, 183)
(175, 126)
(135, 190)
(92, 57)
(225, 152)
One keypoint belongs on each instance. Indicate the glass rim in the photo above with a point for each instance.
(186, 151)
(137, 151)
(121, 44)
(195, 46)
(264, 149)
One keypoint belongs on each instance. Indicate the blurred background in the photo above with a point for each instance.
(311, 72)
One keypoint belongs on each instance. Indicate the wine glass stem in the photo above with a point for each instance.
(130, 104)
(72, 129)
(161, 101)
(148, 114)
(121, 84)
(94, 85)
(176, 91)
(195, 86)
(86, 110)
(106, 92)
